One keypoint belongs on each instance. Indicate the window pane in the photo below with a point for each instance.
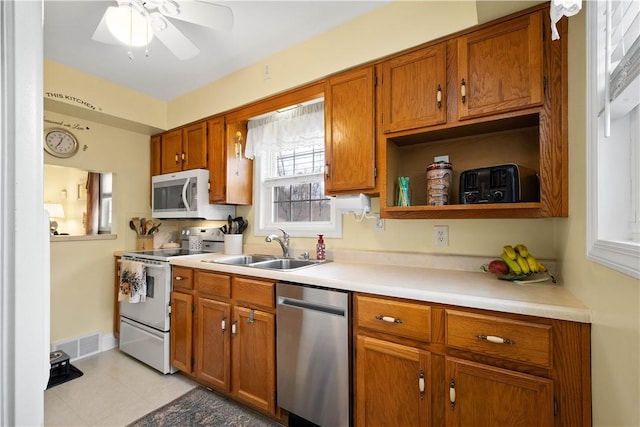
(321, 210)
(282, 212)
(317, 190)
(300, 211)
(300, 192)
(282, 193)
(300, 161)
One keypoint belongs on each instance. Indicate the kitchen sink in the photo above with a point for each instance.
(244, 259)
(267, 261)
(286, 263)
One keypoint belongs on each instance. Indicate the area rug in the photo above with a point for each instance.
(201, 407)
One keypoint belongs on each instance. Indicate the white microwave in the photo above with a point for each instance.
(185, 195)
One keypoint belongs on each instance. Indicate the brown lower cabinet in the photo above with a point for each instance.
(415, 363)
(424, 364)
(225, 339)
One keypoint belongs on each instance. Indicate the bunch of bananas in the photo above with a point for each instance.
(520, 261)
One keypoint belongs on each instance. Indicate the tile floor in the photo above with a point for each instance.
(115, 390)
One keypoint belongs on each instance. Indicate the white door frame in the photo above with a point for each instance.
(24, 240)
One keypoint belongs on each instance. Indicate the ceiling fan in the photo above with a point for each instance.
(153, 18)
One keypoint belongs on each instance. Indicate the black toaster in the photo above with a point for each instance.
(508, 183)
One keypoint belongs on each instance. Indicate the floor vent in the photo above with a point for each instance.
(79, 347)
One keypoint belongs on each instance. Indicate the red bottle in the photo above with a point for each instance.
(320, 247)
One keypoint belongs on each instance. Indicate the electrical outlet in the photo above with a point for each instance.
(441, 233)
(379, 224)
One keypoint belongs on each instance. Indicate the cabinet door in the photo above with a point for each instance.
(156, 155)
(349, 132)
(414, 89)
(194, 146)
(481, 395)
(500, 67)
(182, 331)
(217, 160)
(172, 152)
(253, 358)
(392, 384)
(213, 353)
(239, 177)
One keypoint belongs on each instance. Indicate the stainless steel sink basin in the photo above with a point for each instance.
(286, 263)
(266, 261)
(244, 259)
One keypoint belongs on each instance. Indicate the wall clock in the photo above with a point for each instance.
(60, 143)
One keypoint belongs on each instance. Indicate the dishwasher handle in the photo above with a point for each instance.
(306, 305)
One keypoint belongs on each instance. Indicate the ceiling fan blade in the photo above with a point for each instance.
(206, 14)
(102, 33)
(177, 42)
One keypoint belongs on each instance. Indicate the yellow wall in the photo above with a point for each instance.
(82, 93)
(82, 271)
(614, 298)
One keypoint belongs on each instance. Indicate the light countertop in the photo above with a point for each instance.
(417, 279)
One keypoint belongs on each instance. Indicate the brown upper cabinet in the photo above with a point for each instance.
(350, 138)
(500, 68)
(503, 102)
(215, 144)
(230, 173)
(414, 89)
(489, 95)
(184, 148)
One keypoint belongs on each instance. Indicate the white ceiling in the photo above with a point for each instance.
(261, 28)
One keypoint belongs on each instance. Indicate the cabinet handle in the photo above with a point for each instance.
(452, 394)
(463, 91)
(421, 384)
(326, 170)
(234, 328)
(183, 156)
(439, 96)
(178, 278)
(251, 318)
(388, 319)
(494, 339)
(223, 324)
(176, 158)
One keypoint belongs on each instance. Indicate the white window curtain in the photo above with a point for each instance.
(298, 127)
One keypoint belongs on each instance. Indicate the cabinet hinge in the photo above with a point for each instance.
(375, 172)
(555, 407)
(544, 84)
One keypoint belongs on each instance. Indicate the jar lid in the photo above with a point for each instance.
(439, 165)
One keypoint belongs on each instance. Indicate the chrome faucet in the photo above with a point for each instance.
(284, 241)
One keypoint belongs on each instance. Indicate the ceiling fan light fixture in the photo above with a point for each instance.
(128, 26)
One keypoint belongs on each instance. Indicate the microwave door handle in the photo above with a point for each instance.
(184, 194)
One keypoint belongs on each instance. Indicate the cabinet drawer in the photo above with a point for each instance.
(253, 291)
(213, 284)
(182, 278)
(494, 336)
(409, 320)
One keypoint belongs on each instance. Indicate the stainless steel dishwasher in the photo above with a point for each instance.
(313, 347)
